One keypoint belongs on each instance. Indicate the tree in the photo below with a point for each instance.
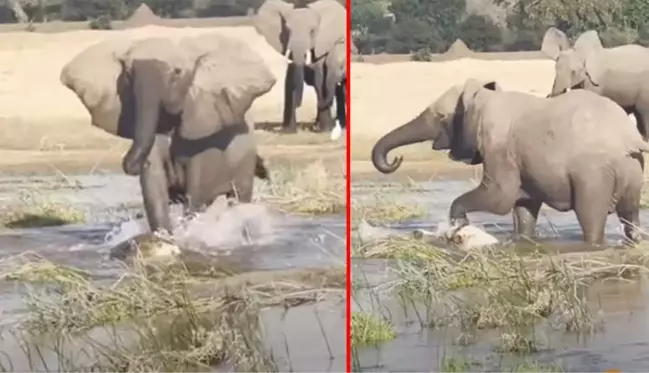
(572, 16)
(368, 16)
(480, 34)
(442, 16)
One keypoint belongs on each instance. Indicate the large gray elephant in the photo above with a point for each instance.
(577, 151)
(183, 104)
(620, 73)
(313, 38)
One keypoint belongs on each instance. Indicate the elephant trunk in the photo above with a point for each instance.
(300, 58)
(147, 88)
(559, 87)
(420, 129)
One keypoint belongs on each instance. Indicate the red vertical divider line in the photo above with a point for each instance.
(348, 178)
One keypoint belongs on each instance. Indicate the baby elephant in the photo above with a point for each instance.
(578, 151)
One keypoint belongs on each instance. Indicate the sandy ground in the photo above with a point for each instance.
(43, 125)
(386, 95)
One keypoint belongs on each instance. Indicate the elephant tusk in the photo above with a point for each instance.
(287, 54)
(307, 57)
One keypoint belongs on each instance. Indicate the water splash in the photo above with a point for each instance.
(221, 227)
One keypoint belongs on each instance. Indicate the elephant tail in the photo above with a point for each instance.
(260, 169)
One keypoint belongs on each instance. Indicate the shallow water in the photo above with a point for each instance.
(272, 241)
(623, 344)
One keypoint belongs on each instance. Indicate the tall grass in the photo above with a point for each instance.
(156, 320)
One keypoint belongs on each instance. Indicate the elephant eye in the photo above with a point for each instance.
(177, 70)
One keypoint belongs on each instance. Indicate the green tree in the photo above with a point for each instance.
(440, 15)
(480, 34)
(572, 16)
(367, 16)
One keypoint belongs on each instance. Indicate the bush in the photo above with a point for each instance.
(100, 23)
(525, 40)
(480, 34)
(421, 55)
(614, 36)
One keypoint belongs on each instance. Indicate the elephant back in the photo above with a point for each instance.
(92, 75)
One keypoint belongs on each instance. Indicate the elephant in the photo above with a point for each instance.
(620, 73)
(571, 152)
(313, 38)
(183, 105)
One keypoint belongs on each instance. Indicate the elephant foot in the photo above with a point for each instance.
(288, 130)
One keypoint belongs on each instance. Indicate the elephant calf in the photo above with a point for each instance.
(577, 151)
(183, 104)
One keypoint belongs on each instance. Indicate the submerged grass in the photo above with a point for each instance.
(35, 210)
(501, 289)
(368, 329)
(160, 320)
(312, 190)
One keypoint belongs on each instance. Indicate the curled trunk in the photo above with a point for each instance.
(420, 129)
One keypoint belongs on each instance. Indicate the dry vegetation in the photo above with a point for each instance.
(156, 318)
(503, 290)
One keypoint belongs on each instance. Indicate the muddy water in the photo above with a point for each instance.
(273, 241)
(623, 343)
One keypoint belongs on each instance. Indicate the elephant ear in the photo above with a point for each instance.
(554, 42)
(227, 79)
(332, 26)
(588, 42)
(269, 23)
(95, 76)
(595, 67)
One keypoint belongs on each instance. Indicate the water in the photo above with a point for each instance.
(273, 241)
(623, 344)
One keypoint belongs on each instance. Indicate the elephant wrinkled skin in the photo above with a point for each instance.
(183, 105)
(620, 73)
(313, 38)
(577, 151)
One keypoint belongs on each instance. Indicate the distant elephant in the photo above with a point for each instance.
(183, 104)
(313, 38)
(577, 151)
(620, 73)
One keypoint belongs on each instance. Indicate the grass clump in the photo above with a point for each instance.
(386, 210)
(500, 289)
(311, 190)
(34, 210)
(368, 329)
(162, 320)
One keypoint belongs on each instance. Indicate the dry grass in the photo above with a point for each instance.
(35, 210)
(313, 189)
(368, 329)
(162, 320)
(384, 207)
(501, 289)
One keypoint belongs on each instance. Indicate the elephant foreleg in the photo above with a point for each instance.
(155, 189)
(325, 86)
(497, 194)
(289, 121)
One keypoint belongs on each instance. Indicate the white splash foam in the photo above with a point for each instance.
(220, 227)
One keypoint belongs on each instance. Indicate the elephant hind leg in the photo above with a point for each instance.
(628, 205)
(593, 193)
(341, 112)
(525, 214)
(260, 169)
